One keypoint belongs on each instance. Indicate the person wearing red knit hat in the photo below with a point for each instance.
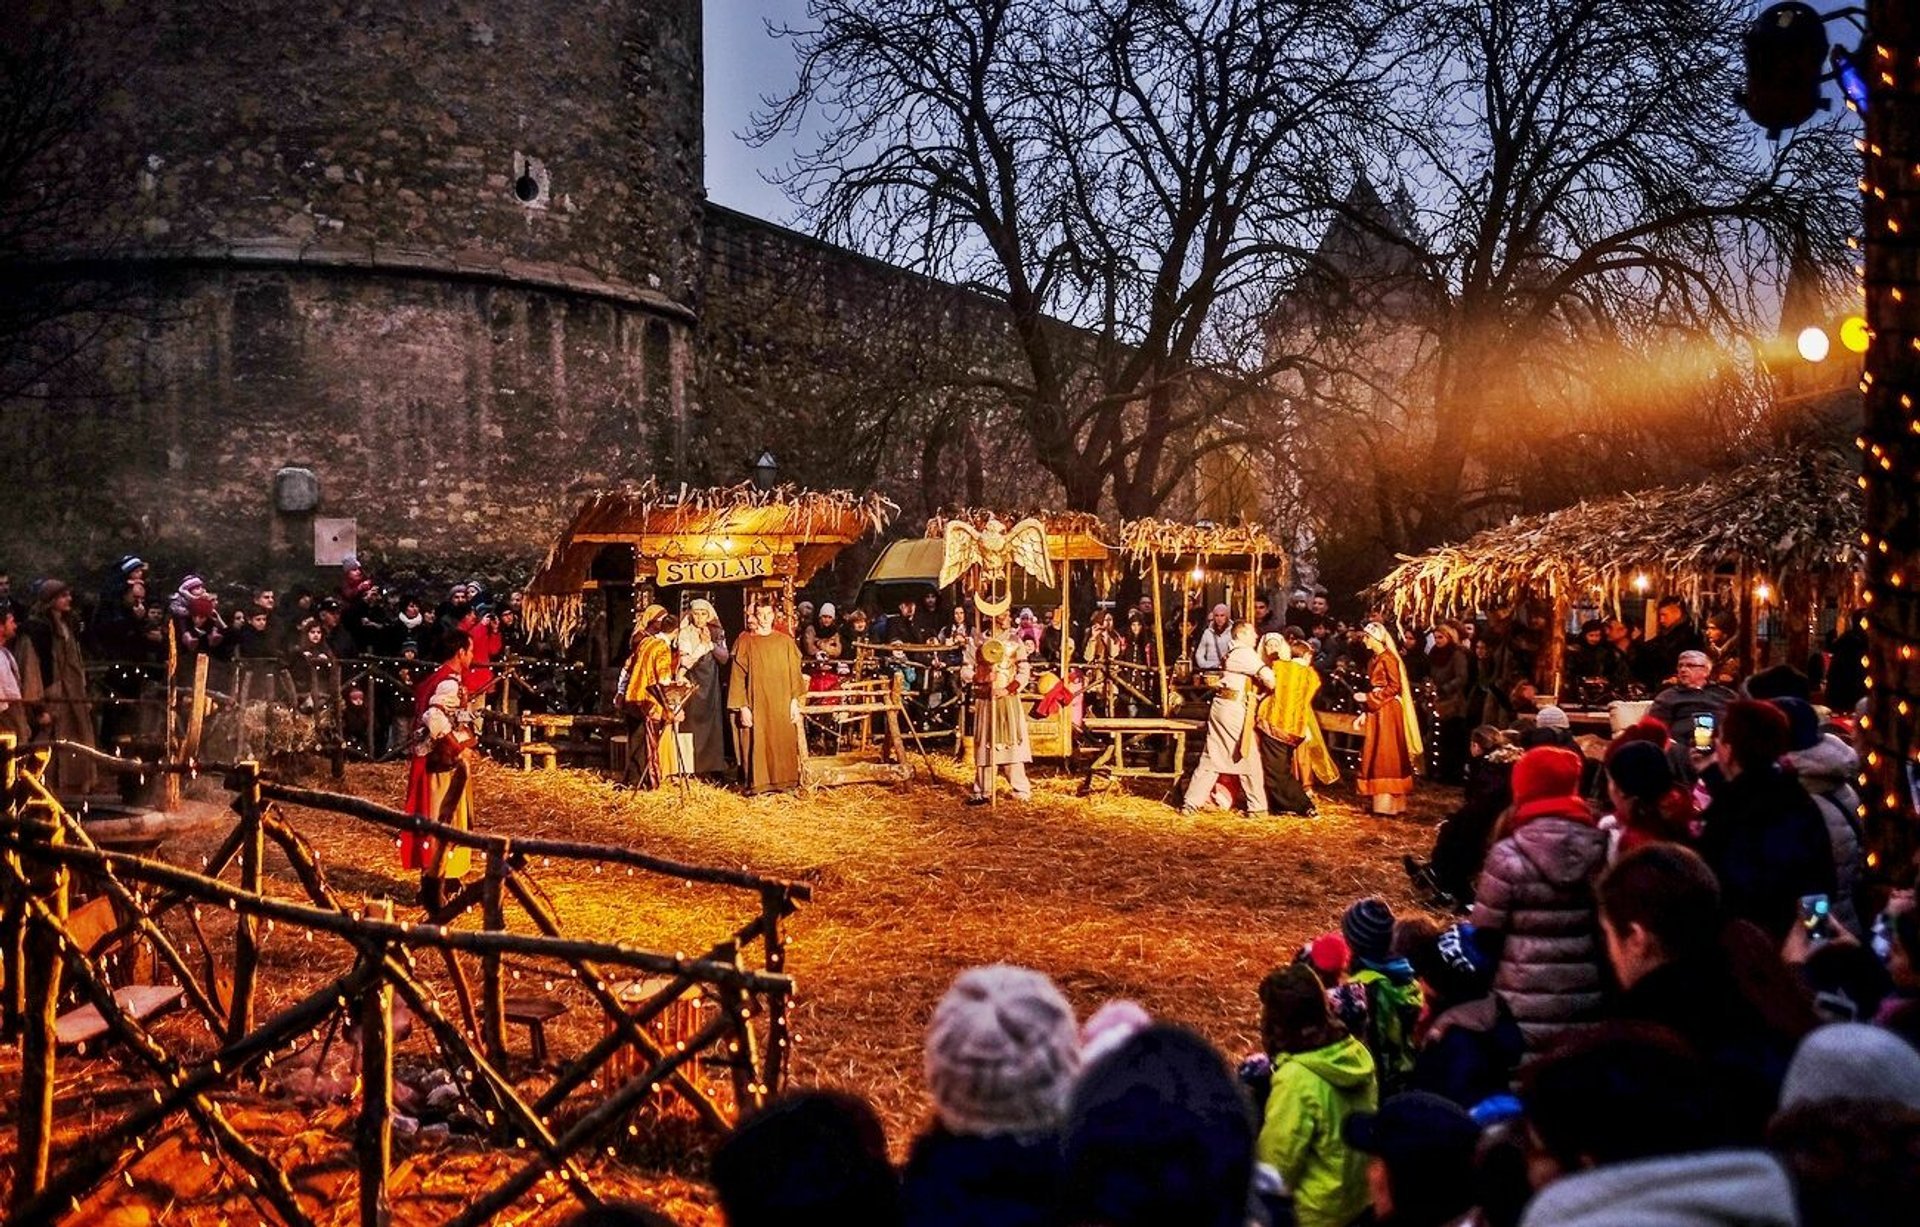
(1534, 898)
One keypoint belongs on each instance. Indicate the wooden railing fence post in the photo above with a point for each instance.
(373, 1135)
(774, 906)
(246, 931)
(493, 992)
(40, 982)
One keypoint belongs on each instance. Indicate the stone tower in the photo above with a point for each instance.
(439, 255)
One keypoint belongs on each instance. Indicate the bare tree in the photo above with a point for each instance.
(1129, 178)
(1598, 233)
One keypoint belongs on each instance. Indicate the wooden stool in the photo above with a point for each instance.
(538, 756)
(534, 1013)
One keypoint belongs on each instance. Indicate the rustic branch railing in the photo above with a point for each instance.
(44, 848)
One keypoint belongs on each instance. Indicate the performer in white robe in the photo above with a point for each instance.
(1232, 747)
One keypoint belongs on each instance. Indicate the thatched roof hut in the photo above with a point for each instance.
(1784, 519)
(1176, 544)
(734, 534)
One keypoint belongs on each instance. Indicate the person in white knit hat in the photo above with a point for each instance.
(1001, 1057)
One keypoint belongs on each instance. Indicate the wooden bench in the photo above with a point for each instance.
(1111, 763)
(534, 1013)
(95, 928)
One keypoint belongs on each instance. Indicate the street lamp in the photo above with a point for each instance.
(765, 469)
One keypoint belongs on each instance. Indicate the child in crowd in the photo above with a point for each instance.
(1001, 1055)
(1321, 1076)
(1380, 1003)
(1469, 1044)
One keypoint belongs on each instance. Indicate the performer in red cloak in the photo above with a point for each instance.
(439, 790)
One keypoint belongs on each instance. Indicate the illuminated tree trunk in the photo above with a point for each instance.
(1892, 472)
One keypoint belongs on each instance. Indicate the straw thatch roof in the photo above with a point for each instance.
(1072, 536)
(1797, 514)
(661, 522)
(1179, 544)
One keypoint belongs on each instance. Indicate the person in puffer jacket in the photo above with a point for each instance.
(1535, 899)
(1826, 767)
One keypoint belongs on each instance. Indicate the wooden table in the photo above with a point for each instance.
(1111, 763)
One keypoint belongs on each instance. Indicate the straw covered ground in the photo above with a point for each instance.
(1113, 896)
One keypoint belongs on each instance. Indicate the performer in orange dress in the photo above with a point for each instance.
(1392, 749)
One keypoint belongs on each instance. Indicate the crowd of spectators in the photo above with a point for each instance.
(1664, 995)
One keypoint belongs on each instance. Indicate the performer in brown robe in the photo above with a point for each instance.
(53, 683)
(764, 689)
(1392, 747)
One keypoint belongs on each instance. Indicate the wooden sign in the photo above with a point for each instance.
(679, 572)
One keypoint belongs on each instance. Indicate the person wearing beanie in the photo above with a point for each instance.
(812, 1157)
(1826, 767)
(1534, 898)
(1648, 803)
(1854, 1163)
(1002, 1051)
(1380, 1002)
(1853, 1061)
(1321, 1076)
(1469, 1044)
(1158, 1132)
(1764, 837)
(1420, 1169)
(1328, 955)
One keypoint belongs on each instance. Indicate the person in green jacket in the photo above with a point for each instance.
(1321, 1076)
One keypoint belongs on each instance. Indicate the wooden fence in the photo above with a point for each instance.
(46, 852)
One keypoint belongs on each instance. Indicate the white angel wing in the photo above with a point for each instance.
(1027, 543)
(962, 553)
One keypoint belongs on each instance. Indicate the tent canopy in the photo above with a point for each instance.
(1178, 546)
(718, 535)
(1790, 515)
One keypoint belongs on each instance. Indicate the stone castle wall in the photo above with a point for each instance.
(442, 254)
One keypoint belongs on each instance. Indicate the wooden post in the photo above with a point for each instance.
(1556, 662)
(12, 906)
(1160, 640)
(493, 992)
(773, 905)
(40, 980)
(246, 928)
(373, 1134)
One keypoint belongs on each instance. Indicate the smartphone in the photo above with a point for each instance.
(1816, 917)
(1703, 726)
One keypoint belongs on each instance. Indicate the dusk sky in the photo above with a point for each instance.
(744, 64)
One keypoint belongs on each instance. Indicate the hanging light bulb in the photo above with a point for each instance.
(1813, 343)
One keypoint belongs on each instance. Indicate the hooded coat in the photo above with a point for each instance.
(1826, 769)
(1313, 1093)
(1723, 1188)
(1536, 889)
(1768, 845)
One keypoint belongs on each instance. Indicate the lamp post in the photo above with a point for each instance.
(765, 470)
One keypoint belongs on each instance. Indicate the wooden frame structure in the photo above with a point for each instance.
(1156, 548)
(1785, 530)
(1072, 537)
(44, 845)
(773, 540)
